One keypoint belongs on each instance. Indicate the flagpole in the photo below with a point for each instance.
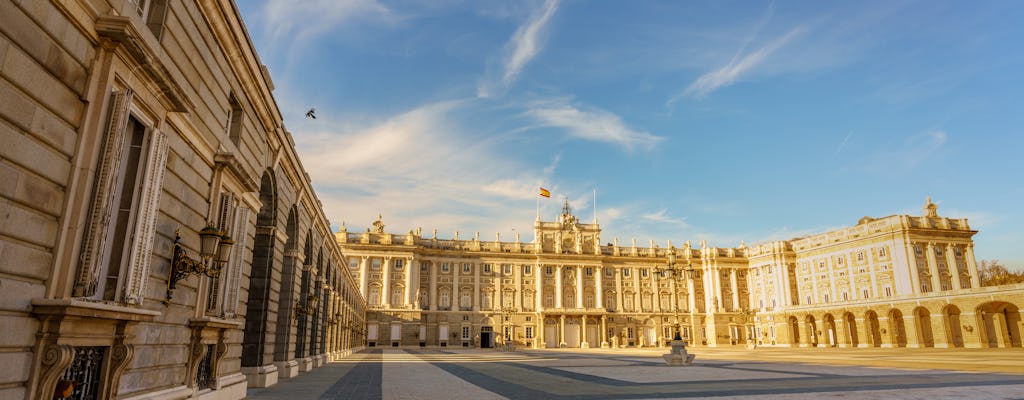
(538, 207)
(595, 206)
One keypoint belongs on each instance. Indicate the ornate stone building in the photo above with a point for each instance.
(894, 281)
(159, 237)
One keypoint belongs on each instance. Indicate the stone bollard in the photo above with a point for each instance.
(678, 355)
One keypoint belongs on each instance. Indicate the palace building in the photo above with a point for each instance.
(897, 281)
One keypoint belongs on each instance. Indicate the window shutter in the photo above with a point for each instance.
(145, 223)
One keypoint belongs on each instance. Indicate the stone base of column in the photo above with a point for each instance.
(287, 369)
(262, 376)
(318, 361)
(585, 345)
(306, 364)
(604, 345)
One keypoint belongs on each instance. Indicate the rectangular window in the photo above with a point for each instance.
(549, 270)
(465, 333)
(625, 272)
(608, 272)
(125, 202)
(487, 268)
(846, 296)
(888, 291)
(445, 267)
(466, 267)
(917, 249)
(956, 251)
(399, 264)
(938, 251)
(866, 293)
(507, 268)
(839, 260)
(826, 298)
(644, 272)
(375, 263)
(527, 269)
(235, 115)
(424, 266)
(860, 256)
(808, 299)
(881, 252)
(589, 271)
(529, 332)
(353, 262)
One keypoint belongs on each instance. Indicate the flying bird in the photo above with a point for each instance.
(311, 113)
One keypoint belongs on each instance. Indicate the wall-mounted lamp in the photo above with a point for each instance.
(214, 252)
(308, 308)
(969, 328)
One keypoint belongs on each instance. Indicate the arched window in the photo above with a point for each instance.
(374, 297)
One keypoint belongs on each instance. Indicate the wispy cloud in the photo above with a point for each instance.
(738, 66)
(662, 216)
(524, 45)
(303, 20)
(590, 124)
(842, 145)
(382, 166)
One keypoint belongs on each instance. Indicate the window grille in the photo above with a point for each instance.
(85, 372)
(206, 375)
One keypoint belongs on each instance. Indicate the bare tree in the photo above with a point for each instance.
(994, 273)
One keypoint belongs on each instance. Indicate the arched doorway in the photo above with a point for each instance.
(897, 329)
(874, 333)
(254, 340)
(650, 334)
(830, 330)
(551, 333)
(794, 331)
(812, 330)
(572, 333)
(487, 333)
(923, 324)
(593, 333)
(1000, 324)
(851, 329)
(951, 321)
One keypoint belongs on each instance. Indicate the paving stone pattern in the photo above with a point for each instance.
(633, 374)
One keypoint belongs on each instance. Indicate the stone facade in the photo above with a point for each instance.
(126, 124)
(896, 281)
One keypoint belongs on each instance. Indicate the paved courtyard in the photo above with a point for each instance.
(640, 374)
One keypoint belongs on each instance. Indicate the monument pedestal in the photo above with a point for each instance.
(678, 355)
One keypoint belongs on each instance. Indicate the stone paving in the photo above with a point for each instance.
(641, 374)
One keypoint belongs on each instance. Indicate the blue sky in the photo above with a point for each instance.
(723, 121)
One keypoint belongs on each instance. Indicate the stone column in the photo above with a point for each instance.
(805, 337)
(599, 287)
(953, 268)
(735, 290)
(888, 333)
(933, 268)
(409, 283)
(583, 333)
(561, 330)
(433, 285)
(364, 264)
(999, 329)
(538, 337)
(939, 335)
(972, 265)
(618, 290)
(538, 294)
(476, 287)
(579, 287)
(915, 275)
(558, 287)
(786, 289)
(842, 335)
(655, 292)
(604, 331)
(386, 283)
(912, 330)
(864, 339)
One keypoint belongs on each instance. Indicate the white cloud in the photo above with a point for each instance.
(729, 73)
(524, 45)
(421, 169)
(662, 216)
(303, 20)
(591, 124)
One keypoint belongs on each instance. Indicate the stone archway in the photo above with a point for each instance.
(257, 332)
(953, 326)
(794, 331)
(999, 322)
(812, 330)
(923, 324)
(851, 329)
(897, 329)
(873, 328)
(829, 330)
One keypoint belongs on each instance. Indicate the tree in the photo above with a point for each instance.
(993, 273)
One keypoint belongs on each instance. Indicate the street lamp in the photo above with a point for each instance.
(677, 272)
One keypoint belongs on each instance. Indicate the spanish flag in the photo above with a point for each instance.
(545, 193)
